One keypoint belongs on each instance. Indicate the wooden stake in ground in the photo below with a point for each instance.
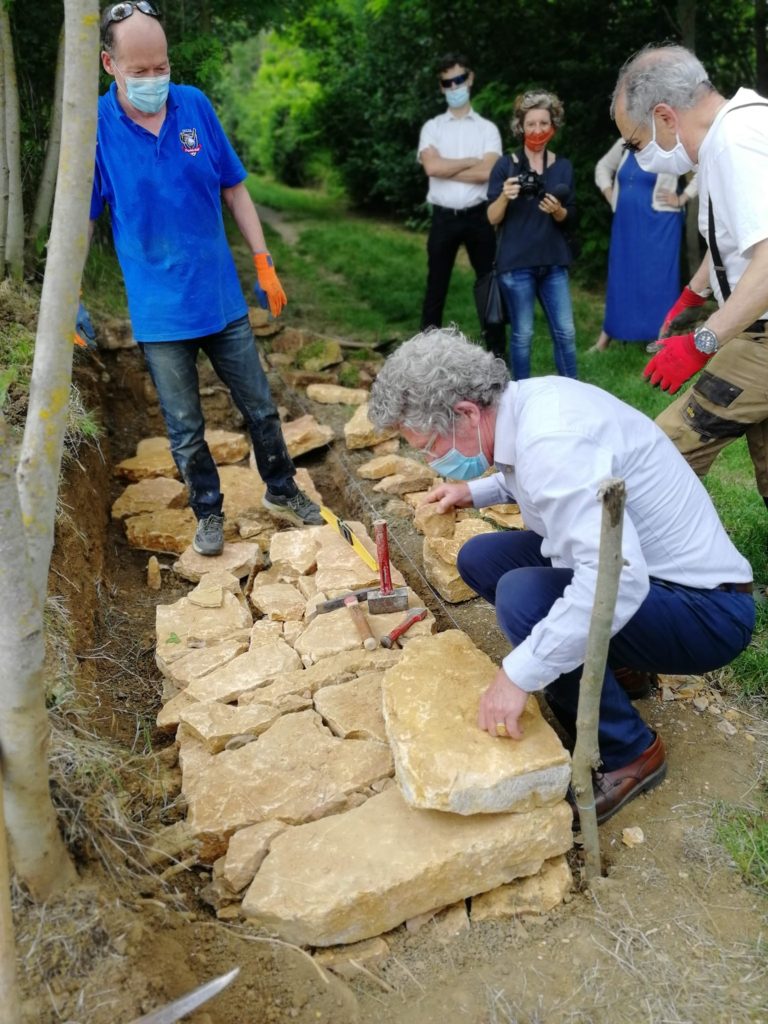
(586, 754)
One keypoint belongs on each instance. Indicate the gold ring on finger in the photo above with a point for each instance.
(501, 729)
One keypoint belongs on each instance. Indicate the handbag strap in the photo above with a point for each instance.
(717, 261)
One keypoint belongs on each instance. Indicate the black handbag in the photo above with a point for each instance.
(488, 301)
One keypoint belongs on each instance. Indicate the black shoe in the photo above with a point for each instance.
(635, 683)
(209, 535)
(299, 509)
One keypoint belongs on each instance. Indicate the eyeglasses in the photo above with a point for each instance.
(630, 146)
(122, 11)
(446, 83)
(426, 452)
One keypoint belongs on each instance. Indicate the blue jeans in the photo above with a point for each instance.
(520, 289)
(233, 355)
(675, 630)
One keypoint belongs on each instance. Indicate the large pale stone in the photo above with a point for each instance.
(215, 724)
(154, 461)
(327, 634)
(305, 434)
(432, 523)
(281, 602)
(353, 710)
(359, 432)
(265, 631)
(239, 558)
(414, 479)
(303, 481)
(150, 495)
(246, 672)
(388, 465)
(296, 771)
(334, 394)
(439, 556)
(356, 875)
(169, 715)
(537, 894)
(181, 626)
(200, 661)
(169, 530)
(294, 552)
(340, 568)
(227, 446)
(247, 849)
(507, 516)
(339, 668)
(444, 761)
(388, 447)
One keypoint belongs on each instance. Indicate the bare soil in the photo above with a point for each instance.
(670, 934)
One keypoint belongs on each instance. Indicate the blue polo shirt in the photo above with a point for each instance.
(164, 199)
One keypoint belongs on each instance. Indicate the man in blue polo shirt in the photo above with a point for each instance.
(163, 166)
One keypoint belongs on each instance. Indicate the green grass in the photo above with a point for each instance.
(295, 202)
(17, 345)
(744, 834)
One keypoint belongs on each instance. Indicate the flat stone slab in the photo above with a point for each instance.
(239, 558)
(247, 849)
(358, 874)
(202, 660)
(150, 495)
(296, 771)
(181, 627)
(246, 672)
(340, 668)
(439, 555)
(353, 710)
(335, 394)
(359, 432)
(432, 523)
(537, 894)
(168, 531)
(443, 760)
(153, 455)
(305, 434)
(294, 552)
(340, 568)
(215, 724)
(280, 602)
(382, 466)
(414, 480)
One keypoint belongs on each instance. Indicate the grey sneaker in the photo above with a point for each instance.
(209, 535)
(298, 510)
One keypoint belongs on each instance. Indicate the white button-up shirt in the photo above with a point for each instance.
(556, 441)
(457, 138)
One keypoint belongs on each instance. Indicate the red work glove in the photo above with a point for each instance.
(269, 291)
(675, 363)
(688, 299)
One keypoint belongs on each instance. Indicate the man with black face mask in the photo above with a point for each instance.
(672, 117)
(457, 150)
(163, 166)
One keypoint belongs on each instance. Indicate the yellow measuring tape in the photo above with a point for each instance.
(346, 534)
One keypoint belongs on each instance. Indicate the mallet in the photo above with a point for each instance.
(414, 615)
(361, 623)
(387, 598)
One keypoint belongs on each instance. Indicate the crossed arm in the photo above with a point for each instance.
(471, 170)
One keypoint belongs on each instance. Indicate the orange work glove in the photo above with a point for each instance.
(269, 291)
(85, 335)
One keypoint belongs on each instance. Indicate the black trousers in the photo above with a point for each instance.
(447, 233)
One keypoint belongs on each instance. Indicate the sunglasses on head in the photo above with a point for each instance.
(122, 11)
(446, 83)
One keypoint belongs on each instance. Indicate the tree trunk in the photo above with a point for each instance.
(586, 754)
(44, 201)
(14, 238)
(28, 512)
(3, 161)
(8, 979)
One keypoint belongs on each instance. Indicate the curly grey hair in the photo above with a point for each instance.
(421, 382)
(536, 99)
(660, 74)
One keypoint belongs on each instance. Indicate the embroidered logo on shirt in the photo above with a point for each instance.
(189, 143)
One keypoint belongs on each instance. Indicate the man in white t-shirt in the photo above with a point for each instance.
(457, 150)
(669, 113)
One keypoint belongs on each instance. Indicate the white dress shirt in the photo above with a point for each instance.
(457, 138)
(556, 441)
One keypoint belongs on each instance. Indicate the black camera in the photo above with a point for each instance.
(531, 184)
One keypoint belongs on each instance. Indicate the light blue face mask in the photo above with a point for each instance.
(147, 94)
(461, 467)
(457, 97)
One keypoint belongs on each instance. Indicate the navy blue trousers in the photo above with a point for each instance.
(676, 630)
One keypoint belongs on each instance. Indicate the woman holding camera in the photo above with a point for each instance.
(531, 197)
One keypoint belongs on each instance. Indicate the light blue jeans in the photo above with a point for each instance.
(520, 288)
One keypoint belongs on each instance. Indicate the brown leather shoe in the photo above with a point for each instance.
(636, 684)
(616, 788)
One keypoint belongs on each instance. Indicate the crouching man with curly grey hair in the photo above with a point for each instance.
(553, 441)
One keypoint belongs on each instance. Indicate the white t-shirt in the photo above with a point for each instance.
(457, 138)
(557, 440)
(733, 169)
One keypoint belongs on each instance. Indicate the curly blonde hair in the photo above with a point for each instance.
(536, 99)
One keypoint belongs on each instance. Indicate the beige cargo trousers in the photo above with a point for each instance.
(728, 400)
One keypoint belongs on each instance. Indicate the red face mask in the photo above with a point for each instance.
(536, 141)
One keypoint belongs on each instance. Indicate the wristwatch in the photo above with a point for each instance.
(705, 341)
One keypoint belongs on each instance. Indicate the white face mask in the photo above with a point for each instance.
(655, 160)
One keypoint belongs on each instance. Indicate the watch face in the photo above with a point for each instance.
(705, 340)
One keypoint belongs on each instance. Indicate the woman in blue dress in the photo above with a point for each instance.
(644, 254)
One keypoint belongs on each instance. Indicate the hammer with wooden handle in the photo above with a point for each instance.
(361, 623)
(414, 615)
